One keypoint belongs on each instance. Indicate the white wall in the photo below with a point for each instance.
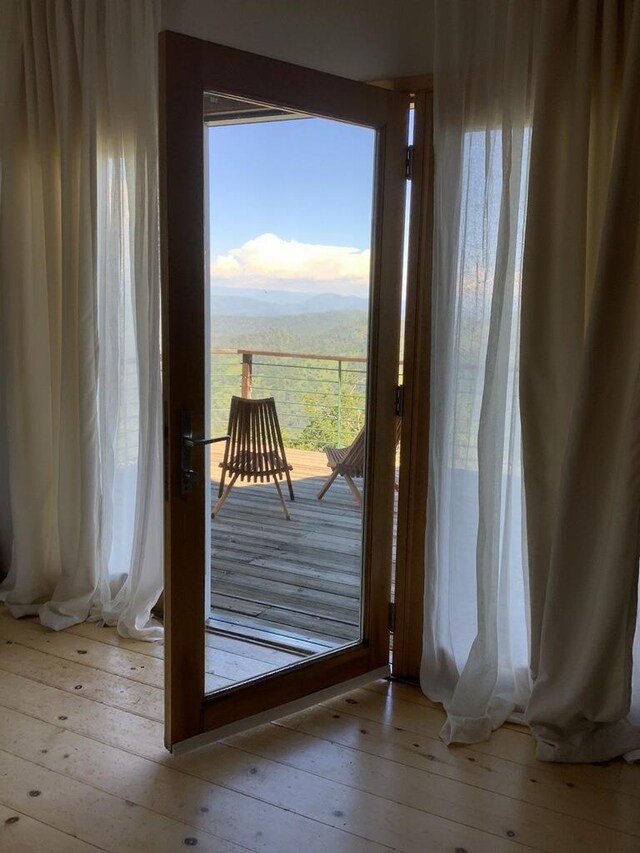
(361, 39)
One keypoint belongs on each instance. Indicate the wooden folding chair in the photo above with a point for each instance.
(348, 462)
(255, 451)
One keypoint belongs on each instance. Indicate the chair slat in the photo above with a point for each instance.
(255, 450)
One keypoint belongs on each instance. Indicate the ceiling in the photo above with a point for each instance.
(361, 39)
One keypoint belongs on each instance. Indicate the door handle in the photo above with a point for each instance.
(187, 473)
(199, 442)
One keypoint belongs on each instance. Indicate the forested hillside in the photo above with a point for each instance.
(319, 401)
(327, 333)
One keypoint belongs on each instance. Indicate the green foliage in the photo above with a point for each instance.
(312, 412)
(328, 333)
(330, 424)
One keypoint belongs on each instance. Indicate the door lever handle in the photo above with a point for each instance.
(199, 442)
(187, 474)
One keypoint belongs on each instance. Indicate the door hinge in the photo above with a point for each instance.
(392, 616)
(408, 162)
(399, 400)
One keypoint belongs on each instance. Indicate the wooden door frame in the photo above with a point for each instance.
(414, 447)
(188, 68)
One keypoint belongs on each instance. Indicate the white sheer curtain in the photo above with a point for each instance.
(475, 657)
(560, 80)
(79, 308)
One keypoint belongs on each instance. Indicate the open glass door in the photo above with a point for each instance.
(282, 213)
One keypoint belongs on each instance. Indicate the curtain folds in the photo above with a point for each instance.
(475, 658)
(581, 389)
(534, 610)
(79, 308)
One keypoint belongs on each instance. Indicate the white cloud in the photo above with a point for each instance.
(269, 261)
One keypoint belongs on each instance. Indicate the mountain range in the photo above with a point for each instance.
(229, 301)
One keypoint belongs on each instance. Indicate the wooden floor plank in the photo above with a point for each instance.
(544, 787)
(99, 656)
(516, 745)
(428, 755)
(222, 668)
(305, 792)
(460, 799)
(108, 822)
(20, 833)
(362, 772)
(364, 814)
(105, 634)
(254, 794)
(104, 723)
(83, 680)
(232, 645)
(194, 806)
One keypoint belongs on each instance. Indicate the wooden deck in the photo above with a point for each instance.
(294, 583)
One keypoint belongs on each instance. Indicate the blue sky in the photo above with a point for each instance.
(290, 205)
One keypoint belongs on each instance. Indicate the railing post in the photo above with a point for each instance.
(247, 374)
(339, 436)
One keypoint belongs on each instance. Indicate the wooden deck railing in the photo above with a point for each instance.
(320, 397)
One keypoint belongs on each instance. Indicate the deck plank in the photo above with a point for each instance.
(301, 578)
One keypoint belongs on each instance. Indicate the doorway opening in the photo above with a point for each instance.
(288, 230)
(288, 221)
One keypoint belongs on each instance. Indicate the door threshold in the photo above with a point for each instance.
(293, 643)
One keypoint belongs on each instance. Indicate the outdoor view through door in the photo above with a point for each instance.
(288, 224)
(282, 217)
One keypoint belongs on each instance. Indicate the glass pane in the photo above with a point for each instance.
(288, 219)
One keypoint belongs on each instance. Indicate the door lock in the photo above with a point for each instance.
(188, 475)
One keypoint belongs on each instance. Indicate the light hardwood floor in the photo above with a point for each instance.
(82, 767)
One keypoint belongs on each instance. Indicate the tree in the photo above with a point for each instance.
(331, 421)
